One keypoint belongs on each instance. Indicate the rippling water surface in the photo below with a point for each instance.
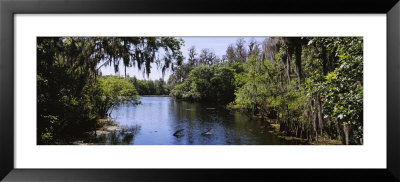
(166, 121)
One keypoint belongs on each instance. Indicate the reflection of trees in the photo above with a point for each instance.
(196, 119)
(228, 127)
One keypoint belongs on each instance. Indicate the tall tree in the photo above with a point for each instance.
(192, 60)
(230, 54)
(240, 51)
(208, 57)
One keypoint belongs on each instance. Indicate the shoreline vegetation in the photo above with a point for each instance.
(108, 126)
(104, 127)
(311, 86)
(292, 139)
(307, 90)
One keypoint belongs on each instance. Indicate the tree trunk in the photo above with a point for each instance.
(302, 129)
(320, 117)
(298, 61)
(315, 126)
(288, 66)
(346, 129)
(324, 61)
(313, 119)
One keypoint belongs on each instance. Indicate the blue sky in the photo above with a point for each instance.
(217, 44)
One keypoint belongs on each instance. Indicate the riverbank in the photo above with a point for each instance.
(103, 127)
(275, 129)
(155, 96)
(199, 124)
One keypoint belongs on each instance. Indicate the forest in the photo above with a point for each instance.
(309, 88)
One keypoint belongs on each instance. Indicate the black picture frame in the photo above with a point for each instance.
(8, 8)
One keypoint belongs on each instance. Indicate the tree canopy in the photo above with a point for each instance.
(311, 86)
(71, 96)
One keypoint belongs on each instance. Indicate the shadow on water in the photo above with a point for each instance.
(124, 136)
(210, 124)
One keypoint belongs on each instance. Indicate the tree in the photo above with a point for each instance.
(150, 87)
(327, 103)
(342, 89)
(207, 83)
(114, 91)
(230, 54)
(179, 75)
(192, 60)
(240, 51)
(294, 46)
(208, 57)
(68, 71)
(254, 48)
(270, 48)
(258, 84)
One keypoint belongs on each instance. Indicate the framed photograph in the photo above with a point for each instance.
(134, 90)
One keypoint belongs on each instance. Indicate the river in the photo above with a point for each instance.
(166, 121)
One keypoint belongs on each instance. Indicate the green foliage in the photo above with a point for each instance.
(113, 91)
(207, 83)
(260, 88)
(311, 87)
(70, 97)
(240, 74)
(342, 89)
(252, 89)
(150, 87)
(330, 96)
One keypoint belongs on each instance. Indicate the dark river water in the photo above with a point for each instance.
(166, 121)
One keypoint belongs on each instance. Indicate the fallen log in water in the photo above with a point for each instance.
(207, 133)
(177, 133)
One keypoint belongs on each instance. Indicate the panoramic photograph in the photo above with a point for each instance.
(199, 90)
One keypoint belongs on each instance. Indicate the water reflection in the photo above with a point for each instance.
(124, 136)
(165, 121)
